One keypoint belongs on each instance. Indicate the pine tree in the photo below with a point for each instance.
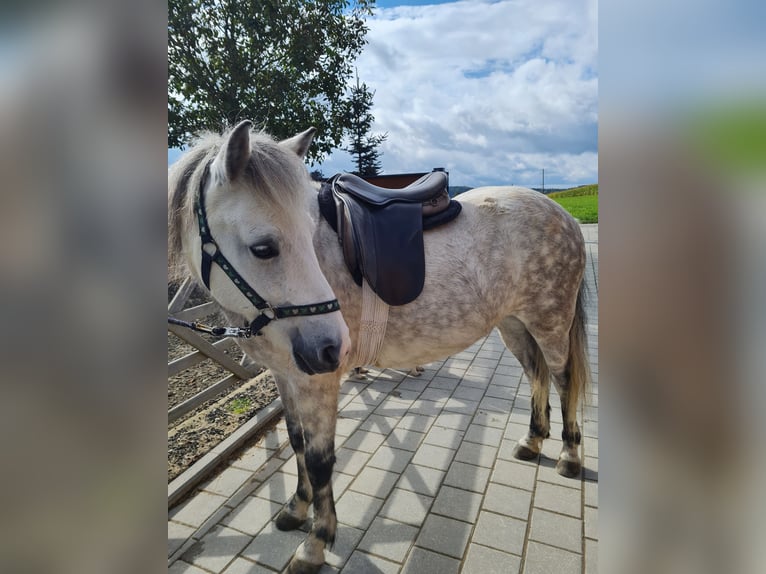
(363, 144)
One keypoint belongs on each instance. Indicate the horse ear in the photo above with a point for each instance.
(300, 143)
(235, 152)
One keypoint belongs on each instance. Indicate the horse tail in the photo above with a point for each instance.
(579, 366)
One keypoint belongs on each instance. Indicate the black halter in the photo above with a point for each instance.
(267, 312)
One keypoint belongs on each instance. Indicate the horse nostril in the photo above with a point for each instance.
(331, 355)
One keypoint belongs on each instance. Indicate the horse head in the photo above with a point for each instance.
(248, 237)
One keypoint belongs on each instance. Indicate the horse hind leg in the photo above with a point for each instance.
(565, 352)
(518, 340)
(571, 382)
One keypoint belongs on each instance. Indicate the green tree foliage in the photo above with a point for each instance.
(363, 144)
(282, 63)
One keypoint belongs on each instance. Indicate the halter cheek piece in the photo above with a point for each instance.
(267, 312)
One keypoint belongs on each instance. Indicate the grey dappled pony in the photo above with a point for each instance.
(513, 260)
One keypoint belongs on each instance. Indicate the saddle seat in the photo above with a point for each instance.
(430, 188)
(381, 230)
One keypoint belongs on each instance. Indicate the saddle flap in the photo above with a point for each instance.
(387, 246)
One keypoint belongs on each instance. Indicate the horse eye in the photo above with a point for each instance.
(264, 250)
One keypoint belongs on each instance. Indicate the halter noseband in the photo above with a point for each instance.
(267, 312)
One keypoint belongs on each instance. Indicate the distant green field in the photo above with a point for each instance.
(581, 202)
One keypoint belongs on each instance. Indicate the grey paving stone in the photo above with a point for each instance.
(375, 482)
(365, 441)
(406, 506)
(180, 567)
(448, 383)
(483, 560)
(435, 395)
(198, 509)
(245, 490)
(444, 535)
(379, 424)
(422, 561)
(434, 456)
(591, 523)
(242, 566)
(416, 422)
(591, 493)
(455, 421)
(392, 459)
(340, 482)
(273, 547)
(468, 393)
(514, 474)
(467, 476)
(591, 556)
(421, 479)
(500, 392)
(393, 408)
(362, 563)
(279, 487)
(500, 532)
(484, 362)
(426, 407)
(447, 438)
(389, 539)
(558, 499)
(484, 435)
(497, 405)
(177, 535)
(405, 439)
(457, 503)
(513, 435)
(346, 539)
(542, 559)
(350, 461)
(547, 473)
(480, 455)
(217, 548)
(227, 482)
(357, 509)
(490, 419)
(507, 500)
(556, 530)
(461, 406)
(252, 515)
(414, 384)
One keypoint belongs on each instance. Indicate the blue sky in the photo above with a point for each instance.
(493, 91)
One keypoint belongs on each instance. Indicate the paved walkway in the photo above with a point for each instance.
(425, 482)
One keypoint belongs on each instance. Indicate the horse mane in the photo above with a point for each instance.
(271, 171)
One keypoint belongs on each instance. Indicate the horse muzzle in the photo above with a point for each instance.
(316, 355)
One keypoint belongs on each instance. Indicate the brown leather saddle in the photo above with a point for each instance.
(381, 230)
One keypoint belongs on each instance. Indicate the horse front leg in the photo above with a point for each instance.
(296, 510)
(317, 404)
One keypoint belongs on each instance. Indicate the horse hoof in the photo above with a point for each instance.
(569, 468)
(301, 567)
(286, 521)
(524, 452)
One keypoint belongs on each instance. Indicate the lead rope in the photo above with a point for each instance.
(243, 333)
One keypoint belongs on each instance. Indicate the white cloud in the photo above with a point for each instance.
(494, 92)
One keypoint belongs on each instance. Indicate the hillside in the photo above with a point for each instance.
(591, 189)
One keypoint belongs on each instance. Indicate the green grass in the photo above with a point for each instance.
(581, 202)
(240, 405)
